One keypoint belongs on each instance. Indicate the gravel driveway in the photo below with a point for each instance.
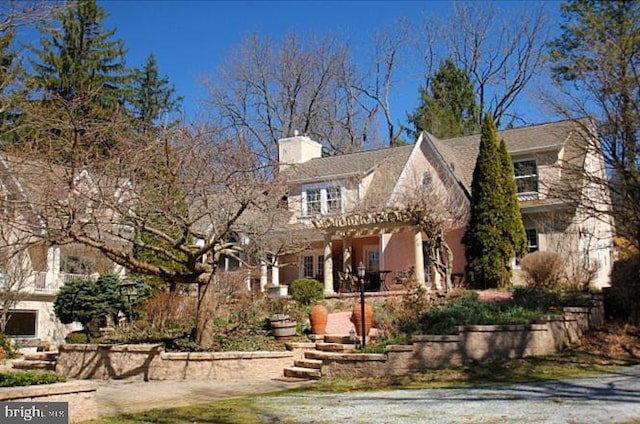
(607, 398)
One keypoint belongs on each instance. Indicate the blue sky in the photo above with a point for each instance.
(192, 38)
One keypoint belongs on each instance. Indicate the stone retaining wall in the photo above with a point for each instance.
(151, 362)
(472, 343)
(80, 395)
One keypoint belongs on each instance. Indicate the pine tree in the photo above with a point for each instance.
(513, 228)
(81, 72)
(152, 98)
(80, 58)
(448, 105)
(484, 239)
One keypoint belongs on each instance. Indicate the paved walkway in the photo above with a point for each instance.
(606, 398)
(117, 397)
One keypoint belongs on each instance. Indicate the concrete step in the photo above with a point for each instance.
(41, 356)
(336, 347)
(308, 363)
(34, 365)
(299, 372)
(332, 338)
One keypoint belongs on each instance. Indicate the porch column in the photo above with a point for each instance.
(419, 257)
(328, 265)
(264, 277)
(346, 255)
(275, 273)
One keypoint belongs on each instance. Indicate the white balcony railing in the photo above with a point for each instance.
(50, 286)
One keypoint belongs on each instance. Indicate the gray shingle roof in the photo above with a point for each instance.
(353, 164)
(460, 153)
(387, 165)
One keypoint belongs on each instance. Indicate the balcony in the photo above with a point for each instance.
(42, 285)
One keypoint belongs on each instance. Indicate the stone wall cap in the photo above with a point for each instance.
(41, 390)
(435, 338)
(113, 347)
(502, 328)
(399, 348)
(221, 356)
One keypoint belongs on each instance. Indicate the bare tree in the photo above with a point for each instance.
(16, 277)
(390, 43)
(268, 90)
(595, 68)
(185, 199)
(501, 51)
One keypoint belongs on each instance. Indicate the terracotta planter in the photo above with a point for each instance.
(356, 318)
(319, 317)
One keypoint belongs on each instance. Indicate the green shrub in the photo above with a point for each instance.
(29, 378)
(622, 300)
(306, 291)
(469, 310)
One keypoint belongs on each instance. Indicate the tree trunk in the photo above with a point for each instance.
(204, 322)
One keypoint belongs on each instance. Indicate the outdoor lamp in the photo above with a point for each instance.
(128, 289)
(361, 273)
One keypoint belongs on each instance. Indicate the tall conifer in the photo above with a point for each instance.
(153, 100)
(484, 238)
(515, 242)
(79, 57)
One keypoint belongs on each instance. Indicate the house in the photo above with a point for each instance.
(368, 207)
(32, 269)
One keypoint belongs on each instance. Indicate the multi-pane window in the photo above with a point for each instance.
(314, 201)
(532, 239)
(526, 175)
(307, 267)
(334, 199)
(320, 266)
(322, 200)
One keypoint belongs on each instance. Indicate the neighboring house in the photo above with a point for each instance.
(31, 269)
(356, 208)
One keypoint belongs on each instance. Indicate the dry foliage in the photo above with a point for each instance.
(543, 270)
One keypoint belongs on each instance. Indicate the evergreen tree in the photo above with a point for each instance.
(80, 71)
(486, 244)
(513, 228)
(88, 302)
(153, 100)
(448, 105)
(79, 58)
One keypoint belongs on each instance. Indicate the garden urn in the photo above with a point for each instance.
(356, 318)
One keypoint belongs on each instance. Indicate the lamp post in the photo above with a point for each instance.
(361, 272)
(128, 289)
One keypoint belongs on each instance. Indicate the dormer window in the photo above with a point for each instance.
(526, 175)
(322, 200)
(334, 199)
(314, 201)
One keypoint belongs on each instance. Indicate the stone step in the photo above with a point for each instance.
(300, 372)
(34, 365)
(308, 363)
(336, 347)
(41, 356)
(332, 338)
